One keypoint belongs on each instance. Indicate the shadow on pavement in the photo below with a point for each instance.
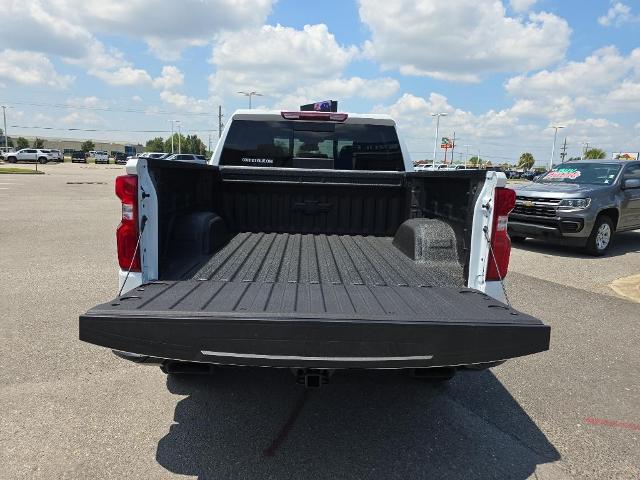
(622, 243)
(239, 424)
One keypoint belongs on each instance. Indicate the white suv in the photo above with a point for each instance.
(30, 154)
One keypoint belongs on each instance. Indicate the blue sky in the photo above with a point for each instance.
(502, 71)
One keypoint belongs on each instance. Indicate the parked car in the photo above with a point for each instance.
(269, 256)
(30, 155)
(4, 151)
(56, 155)
(120, 158)
(187, 157)
(529, 175)
(581, 203)
(99, 156)
(78, 156)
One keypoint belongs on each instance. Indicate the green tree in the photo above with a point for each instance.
(474, 160)
(526, 161)
(595, 154)
(21, 143)
(195, 145)
(38, 143)
(156, 145)
(177, 140)
(87, 146)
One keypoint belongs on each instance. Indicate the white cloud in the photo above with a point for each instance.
(166, 27)
(31, 68)
(79, 119)
(275, 59)
(617, 15)
(171, 77)
(461, 40)
(123, 76)
(136, 98)
(521, 5)
(605, 82)
(339, 88)
(499, 135)
(88, 102)
(186, 103)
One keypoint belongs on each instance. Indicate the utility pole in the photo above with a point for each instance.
(564, 150)
(553, 147)
(435, 140)
(6, 137)
(453, 146)
(585, 147)
(220, 125)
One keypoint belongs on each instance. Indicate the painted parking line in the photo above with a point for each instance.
(612, 423)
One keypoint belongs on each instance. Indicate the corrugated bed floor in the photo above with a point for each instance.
(323, 259)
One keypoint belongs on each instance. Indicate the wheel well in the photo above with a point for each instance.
(613, 214)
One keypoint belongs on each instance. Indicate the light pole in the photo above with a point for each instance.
(553, 147)
(250, 94)
(6, 137)
(179, 135)
(172, 121)
(435, 140)
(467, 159)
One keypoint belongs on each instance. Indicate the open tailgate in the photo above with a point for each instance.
(313, 325)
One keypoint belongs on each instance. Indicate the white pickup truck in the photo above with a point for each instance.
(308, 242)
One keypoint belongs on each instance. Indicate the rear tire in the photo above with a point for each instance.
(600, 239)
(12, 160)
(42, 160)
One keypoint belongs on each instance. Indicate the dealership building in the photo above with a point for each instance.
(70, 144)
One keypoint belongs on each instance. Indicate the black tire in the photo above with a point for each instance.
(599, 241)
(42, 160)
(13, 160)
(517, 238)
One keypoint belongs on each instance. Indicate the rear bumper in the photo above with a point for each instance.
(314, 343)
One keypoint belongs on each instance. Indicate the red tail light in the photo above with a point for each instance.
(323, 116)
(505, 200)
(127, 231)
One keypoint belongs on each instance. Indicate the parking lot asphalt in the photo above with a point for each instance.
(72, 410)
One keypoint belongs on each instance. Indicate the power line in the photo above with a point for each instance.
(105, 130)
(108, 109)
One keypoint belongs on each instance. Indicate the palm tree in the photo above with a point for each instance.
(526, 161)
(595, 154)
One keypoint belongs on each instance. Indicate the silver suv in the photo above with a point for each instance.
(579, 203)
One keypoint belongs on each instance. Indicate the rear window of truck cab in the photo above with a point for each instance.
(326, 145)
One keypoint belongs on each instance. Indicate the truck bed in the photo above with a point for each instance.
(320, 259)
(325, 301)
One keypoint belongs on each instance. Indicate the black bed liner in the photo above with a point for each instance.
(315, 301)
(321, 259)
